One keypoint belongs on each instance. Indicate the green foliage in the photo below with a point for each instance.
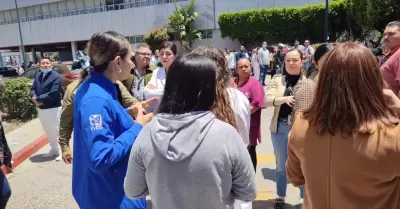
(156, 37)
(181, 22)
(285, 24)
(374, 14)
(55, 57)
(16, 100)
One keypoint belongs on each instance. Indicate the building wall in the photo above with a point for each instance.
(10, 4)
(129, 22)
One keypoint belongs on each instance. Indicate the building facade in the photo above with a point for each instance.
(63, 24)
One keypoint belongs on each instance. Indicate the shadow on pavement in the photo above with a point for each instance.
(269, 174)
(40, 158)
(269, 204)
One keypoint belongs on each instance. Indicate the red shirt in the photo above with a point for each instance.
(254, 92)
(390, 71)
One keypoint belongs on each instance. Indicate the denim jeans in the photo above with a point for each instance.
(5, 190)
(280, 144)
(263, 73)
(307, 65)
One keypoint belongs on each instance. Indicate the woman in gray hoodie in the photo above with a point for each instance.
(185, 157)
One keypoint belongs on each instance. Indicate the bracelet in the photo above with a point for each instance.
(273, 102)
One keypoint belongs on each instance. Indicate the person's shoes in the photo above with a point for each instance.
(52, 154)
(58, 158)
(279, 203)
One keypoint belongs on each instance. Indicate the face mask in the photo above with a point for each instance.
(46, 70)
(264, 46)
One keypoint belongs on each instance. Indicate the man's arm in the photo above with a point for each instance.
(127, 99)
(67, 119)
(33, 88)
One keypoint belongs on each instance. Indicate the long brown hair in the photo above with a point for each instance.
(222, 109)
(349, 96)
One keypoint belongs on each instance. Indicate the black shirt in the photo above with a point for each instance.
(291, 81)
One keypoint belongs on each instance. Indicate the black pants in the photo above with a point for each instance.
(253, 156)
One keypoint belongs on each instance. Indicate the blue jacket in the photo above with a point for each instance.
(47, 89)
(104, 133)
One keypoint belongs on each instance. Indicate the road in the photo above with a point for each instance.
(40, 183)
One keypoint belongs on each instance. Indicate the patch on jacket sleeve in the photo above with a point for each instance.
(96, 122)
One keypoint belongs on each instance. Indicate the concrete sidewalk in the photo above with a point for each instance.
(24, 135)
(25, 141)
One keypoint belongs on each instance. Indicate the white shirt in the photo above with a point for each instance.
(231, 60)
(158, 80)
(241, 108)
(263, 56)
(307, 51)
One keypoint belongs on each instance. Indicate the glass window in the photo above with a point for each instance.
(138, 39)
(209, 34)
(58, 69)
(30, 73)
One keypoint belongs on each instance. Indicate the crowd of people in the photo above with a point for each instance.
(184, 130)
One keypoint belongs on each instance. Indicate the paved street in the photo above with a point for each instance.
(41, 183)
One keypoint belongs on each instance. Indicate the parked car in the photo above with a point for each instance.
(8, 72)
(67, 76)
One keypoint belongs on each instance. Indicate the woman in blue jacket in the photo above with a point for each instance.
(104, 131)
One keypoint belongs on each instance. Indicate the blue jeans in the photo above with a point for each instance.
(5, 190)
(280, 144)
(263, 73)
(307, 65)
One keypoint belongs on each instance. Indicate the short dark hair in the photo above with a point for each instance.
(45, 58)
(168, 45)
(190, 85)
(104, 47)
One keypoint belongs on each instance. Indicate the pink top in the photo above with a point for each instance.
(390, 71)
(254, 92)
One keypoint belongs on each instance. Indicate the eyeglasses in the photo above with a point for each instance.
(144, 54)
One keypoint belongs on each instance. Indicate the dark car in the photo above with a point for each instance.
(67, 76)
(8, 72)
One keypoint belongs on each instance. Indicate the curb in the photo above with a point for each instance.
(26, 152)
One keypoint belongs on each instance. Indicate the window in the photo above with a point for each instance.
(136, 39)
(206, 34)
(30, 73)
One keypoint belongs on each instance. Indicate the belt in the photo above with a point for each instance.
(283, 120)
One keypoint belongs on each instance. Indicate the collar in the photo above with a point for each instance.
(236, 80)
(104, 82)
(283, 79)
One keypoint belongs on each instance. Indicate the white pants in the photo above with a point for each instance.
(50, 119)
(239, 204)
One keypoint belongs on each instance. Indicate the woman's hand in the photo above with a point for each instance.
(392, 100)
(150, 86)
(142, 106)
(146, 104)
(289, 100)
(143, 119)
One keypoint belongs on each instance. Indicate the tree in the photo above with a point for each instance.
(181, 23)
(156, 37)
(374, 14)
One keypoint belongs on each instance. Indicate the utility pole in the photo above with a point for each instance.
(326, 20)
(20, 37)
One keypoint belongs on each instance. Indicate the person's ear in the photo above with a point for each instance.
(117, 61)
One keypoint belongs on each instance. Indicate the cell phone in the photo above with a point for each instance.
(152, 105)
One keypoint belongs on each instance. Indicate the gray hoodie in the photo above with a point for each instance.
(190, 161)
